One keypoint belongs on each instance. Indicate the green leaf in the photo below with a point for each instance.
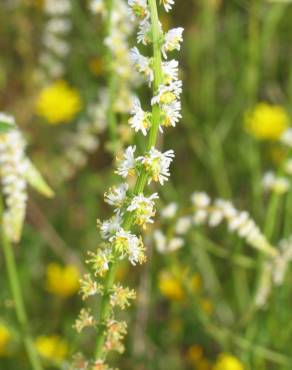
(36, 180)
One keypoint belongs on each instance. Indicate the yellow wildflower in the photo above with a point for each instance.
(62, 281)
(266, 122)
(5, 338)
(58, 103)
(52, 347)
(226, 361)
(170, 287)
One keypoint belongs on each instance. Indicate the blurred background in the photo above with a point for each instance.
(191, 311)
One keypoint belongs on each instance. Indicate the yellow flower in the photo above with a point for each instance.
(58, 103)
(226, 361)
(52, 347)
(170, 287)
(62, 281)
(266, 122)
(5, 338)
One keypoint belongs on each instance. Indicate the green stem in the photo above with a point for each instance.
(19, 303)
(142, 179)
(112, 76)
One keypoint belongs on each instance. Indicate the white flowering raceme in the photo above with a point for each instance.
(16, 171)
(237, 221)
(131, 204)
(55, 40)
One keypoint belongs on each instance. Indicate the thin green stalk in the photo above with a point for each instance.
(111, 77)
(142, 179)
(19, 303)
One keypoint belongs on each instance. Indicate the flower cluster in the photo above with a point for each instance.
(131, 205)
(16, 170)
(237, 221)
(55, 33)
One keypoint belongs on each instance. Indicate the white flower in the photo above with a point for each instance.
(160, 241)
(172, 40)
(141, 120)
(144, 208)
(282, 260)
(200, 217)
(167, 94)
(286, 137)
(215, 218)
(128, 163)
(57, 7)
(142, 64)
(170, 71)
(127, 244)
(279, 185)
(175, 244)
(170, 114)
(7, 118)
(116, 195)
(183, 225)
(110, 227)
(157, 164)
(58, 25)
(169, 211)
(139, 8)
(167, 4)
(200, 200)
(144, 33)
(288, 166)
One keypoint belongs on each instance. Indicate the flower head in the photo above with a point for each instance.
(172, 40)
(62, 281)
(142, 64)
(266, 122)
(58, 103)
(5, 339)
(139, 8)
(170, 286)
(127, 164)
(127, 244)
(52, 347)
(226, 361)
(116, 195)
(157, 164)
(167, 94)
(167, 4)
(140, 121)
(143, 208)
